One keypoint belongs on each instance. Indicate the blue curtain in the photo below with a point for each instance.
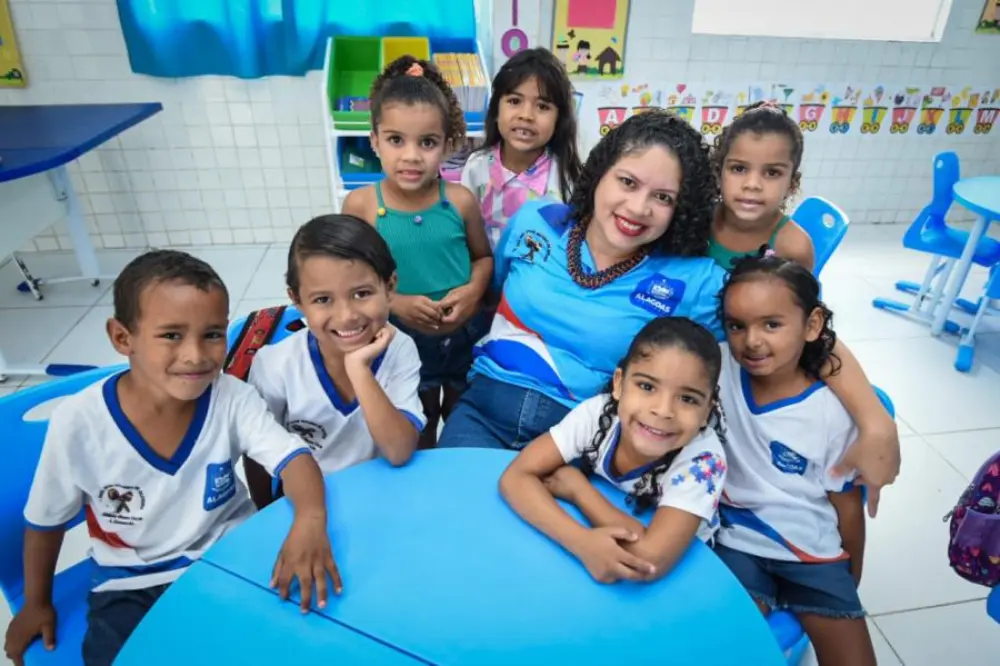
(254, 38)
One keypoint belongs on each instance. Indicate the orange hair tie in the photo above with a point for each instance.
(415, 70)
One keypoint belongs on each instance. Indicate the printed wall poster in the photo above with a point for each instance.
(812, 105)
(843, 109)
(873, 110)
(11, 68)
(715, 106)
(905, 102)
(989, 21)
(682, 103)
(986, 114)
(746, 97)
(783, 94)
(932, 108)
(963, 103)
(588, 36)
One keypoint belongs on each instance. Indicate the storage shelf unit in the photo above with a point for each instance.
(350, 65)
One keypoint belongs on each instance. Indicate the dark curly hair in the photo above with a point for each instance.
(554, 86)
(395, 84)
(818, 360)
(761, 118)
(688, 233)
(660, 333)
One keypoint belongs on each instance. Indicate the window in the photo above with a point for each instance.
(885, 20)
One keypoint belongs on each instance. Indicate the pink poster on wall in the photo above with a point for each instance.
(592, 13)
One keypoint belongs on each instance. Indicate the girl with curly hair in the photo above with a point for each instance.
(756, 160)
(793, 525)
(578, 281)
(654, 433)
(434, 230)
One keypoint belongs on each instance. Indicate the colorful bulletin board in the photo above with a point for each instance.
(989, 21)
(588, 36)
(837, 109)
(11, 69)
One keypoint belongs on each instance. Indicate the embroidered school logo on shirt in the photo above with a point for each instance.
(706, 468)
(532, 245)
(311, 433)
(121, 505)
(787, 460)
(220, 484)
(658, 295)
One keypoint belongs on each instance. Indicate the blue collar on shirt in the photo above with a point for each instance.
(345, 408)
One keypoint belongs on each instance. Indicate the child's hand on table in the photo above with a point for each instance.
(32, 621)
(600, 551)
(306, 555)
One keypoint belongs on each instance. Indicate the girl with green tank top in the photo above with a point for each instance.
(434, 230)
(757, 160)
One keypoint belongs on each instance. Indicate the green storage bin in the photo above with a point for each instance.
(355, 62)
(396, 47)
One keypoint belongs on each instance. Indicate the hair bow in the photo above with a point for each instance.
(415, 70)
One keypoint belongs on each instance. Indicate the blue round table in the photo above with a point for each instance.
(980, 195)
(437, 566)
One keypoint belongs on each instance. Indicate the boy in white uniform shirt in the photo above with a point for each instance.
(148, 454)
(348, 384)
(793, 530)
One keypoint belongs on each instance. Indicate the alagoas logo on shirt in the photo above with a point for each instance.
(220, 484)
(532, 246)
(658, 294)
(787, 460)
(121, 505)
(311, 433)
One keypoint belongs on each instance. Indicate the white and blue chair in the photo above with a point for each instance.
(985, 306)
(785, 626)
(23, 441)
(931, 234)
(826, 225)
(289, 317)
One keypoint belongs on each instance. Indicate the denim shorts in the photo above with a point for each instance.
(445, 360)
(825, 588)
(495, 415)
(112, 616)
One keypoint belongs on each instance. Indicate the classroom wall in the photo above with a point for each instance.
(232, 161)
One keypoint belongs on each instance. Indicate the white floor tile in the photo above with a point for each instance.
(854, 318)
(919, 376)
(906, 565)
(29, 334)
(269, 280)
(966, 451)
(59, 264)
(958, 634)
(87, 343)
(884, 656)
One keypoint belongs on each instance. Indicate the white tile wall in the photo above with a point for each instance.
(232, 161)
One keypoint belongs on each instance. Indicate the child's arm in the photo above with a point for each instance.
(360, 204)
(395, 432)
(271, 387)
(850, 507)
(876, 452)
(54, 500)
(462, 302)
(37, 617)
(793, 243)
(306, 553)
(571, 485)
(599, 549)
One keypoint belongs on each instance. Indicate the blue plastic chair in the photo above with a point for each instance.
(23, 440)
(826, 225)
(993, 604)
(783, 624)
(931, 234)
(985, 306)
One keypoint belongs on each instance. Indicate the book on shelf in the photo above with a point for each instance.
(464, 73)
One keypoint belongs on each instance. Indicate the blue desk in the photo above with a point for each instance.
(36, 144)
(211, 618)
(981, 196)
(436, 564)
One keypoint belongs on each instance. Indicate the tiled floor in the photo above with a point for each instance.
(922, 613)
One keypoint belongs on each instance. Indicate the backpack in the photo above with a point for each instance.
(258, 329)
(974, 547)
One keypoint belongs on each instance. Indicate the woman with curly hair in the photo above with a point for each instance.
(579, 281)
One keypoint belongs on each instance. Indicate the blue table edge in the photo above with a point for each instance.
(145, 110)
(971, 205)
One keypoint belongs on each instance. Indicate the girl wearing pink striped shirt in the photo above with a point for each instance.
(530, 149)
